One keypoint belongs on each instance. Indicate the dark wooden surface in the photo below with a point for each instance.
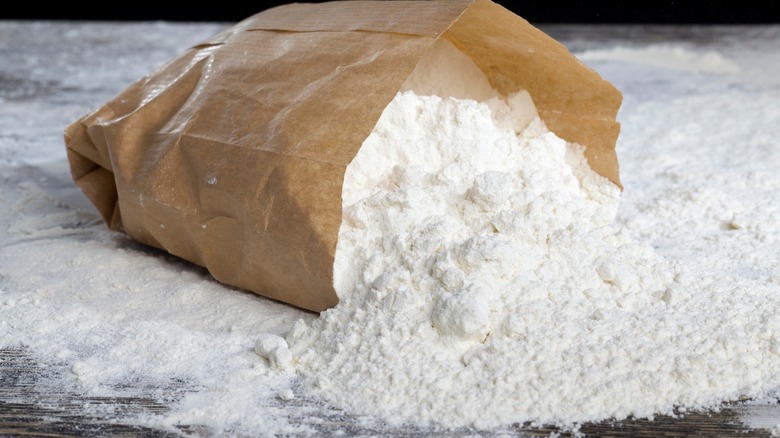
(29, 406)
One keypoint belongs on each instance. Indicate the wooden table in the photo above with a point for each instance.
(28, 409)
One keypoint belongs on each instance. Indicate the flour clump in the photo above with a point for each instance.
(274, 349)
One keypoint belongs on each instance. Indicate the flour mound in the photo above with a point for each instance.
(479, 279)
(478, 276)
(482, 282)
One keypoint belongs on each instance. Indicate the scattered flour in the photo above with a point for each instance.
(672, 57)
(761, 413)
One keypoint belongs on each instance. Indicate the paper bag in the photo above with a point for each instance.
(233, 155)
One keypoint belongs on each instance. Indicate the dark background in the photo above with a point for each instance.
(535, 11)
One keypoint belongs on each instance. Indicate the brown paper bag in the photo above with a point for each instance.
(233, 155)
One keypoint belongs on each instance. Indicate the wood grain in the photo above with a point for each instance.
(30, 406)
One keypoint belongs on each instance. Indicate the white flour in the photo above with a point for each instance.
(481, 284)
(676, 58)
(472, 263)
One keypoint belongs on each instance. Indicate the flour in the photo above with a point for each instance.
(457, 272)
(671, 57)
(274, 349)
(482, 283)
(463, 247)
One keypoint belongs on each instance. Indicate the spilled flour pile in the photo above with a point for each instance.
(482, 284)
(479, 278)
(480, 271)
